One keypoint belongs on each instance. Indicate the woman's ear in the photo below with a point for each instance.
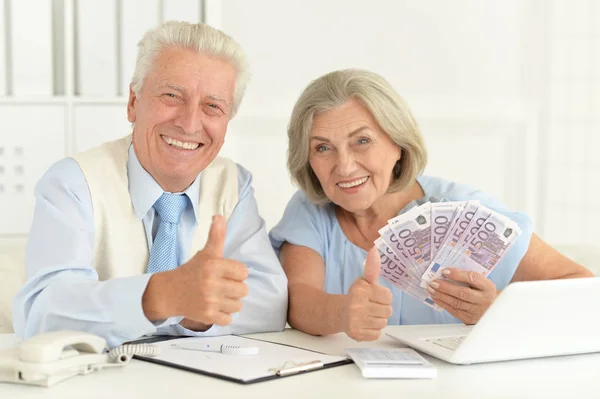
(397, 170)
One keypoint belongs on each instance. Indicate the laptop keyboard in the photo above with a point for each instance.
(448, 342)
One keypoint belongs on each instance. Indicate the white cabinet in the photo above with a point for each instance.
(33, 138)
(96, 53)
(30, 38)
(65, 68)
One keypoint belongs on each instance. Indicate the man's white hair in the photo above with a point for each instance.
(200, 37)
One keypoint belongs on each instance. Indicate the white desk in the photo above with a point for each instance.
(559, 377)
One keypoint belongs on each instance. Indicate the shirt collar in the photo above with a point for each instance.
(144, 190)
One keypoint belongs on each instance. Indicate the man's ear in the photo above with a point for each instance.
(131, 105)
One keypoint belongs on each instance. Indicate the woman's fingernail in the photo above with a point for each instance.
(435, 285)
(446, 272)
(430, 290)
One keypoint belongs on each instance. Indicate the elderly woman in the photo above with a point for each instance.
(357, 154)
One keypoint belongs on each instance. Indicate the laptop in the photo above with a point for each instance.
(527, 320)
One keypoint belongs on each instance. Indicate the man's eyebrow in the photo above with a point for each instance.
(218, 98)
(172, 86)
(181, 89)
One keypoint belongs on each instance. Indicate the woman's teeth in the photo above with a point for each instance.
(353, 183)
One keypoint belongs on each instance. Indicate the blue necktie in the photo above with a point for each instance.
(163, 255)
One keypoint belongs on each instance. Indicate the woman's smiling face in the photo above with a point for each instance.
(352, 157)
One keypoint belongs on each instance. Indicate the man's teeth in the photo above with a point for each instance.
(353, 183)
(180, 144)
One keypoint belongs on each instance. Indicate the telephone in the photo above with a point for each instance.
(49, 358)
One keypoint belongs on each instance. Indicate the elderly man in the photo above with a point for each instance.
(154, 233)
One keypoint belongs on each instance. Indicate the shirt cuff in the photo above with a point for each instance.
(126, 296)
(167, 322)
(178, 329)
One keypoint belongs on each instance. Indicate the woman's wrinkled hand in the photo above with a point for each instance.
(466, 302)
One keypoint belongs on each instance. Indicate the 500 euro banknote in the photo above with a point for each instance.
(458, 227)
(413, 230)
(393, 270)
(484, 249)
(395, 245)
(443, 214)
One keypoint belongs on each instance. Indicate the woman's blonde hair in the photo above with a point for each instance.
(200, 37)
(381, 100)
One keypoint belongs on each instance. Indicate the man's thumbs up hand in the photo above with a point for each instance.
(211, 287)
(216, 237)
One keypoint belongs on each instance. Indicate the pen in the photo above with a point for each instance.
(315, 364)
(225, 349)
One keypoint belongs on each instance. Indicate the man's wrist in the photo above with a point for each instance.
(194, 325)
(157, 301)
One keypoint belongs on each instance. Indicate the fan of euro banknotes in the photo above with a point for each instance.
(417, 245)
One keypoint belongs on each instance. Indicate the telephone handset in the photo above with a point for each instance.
(49, 358)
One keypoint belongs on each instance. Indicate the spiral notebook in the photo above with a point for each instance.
(273, 360)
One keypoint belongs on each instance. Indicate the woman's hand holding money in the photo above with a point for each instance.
(468, 303)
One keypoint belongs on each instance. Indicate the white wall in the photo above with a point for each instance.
(484, 79)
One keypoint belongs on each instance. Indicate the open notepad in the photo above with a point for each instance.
(272, 361)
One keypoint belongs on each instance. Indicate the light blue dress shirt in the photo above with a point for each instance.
(317, 228)
(63, 291)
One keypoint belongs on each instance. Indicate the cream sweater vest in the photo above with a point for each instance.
(121, 247)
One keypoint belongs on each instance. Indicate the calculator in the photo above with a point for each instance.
(391, 363)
